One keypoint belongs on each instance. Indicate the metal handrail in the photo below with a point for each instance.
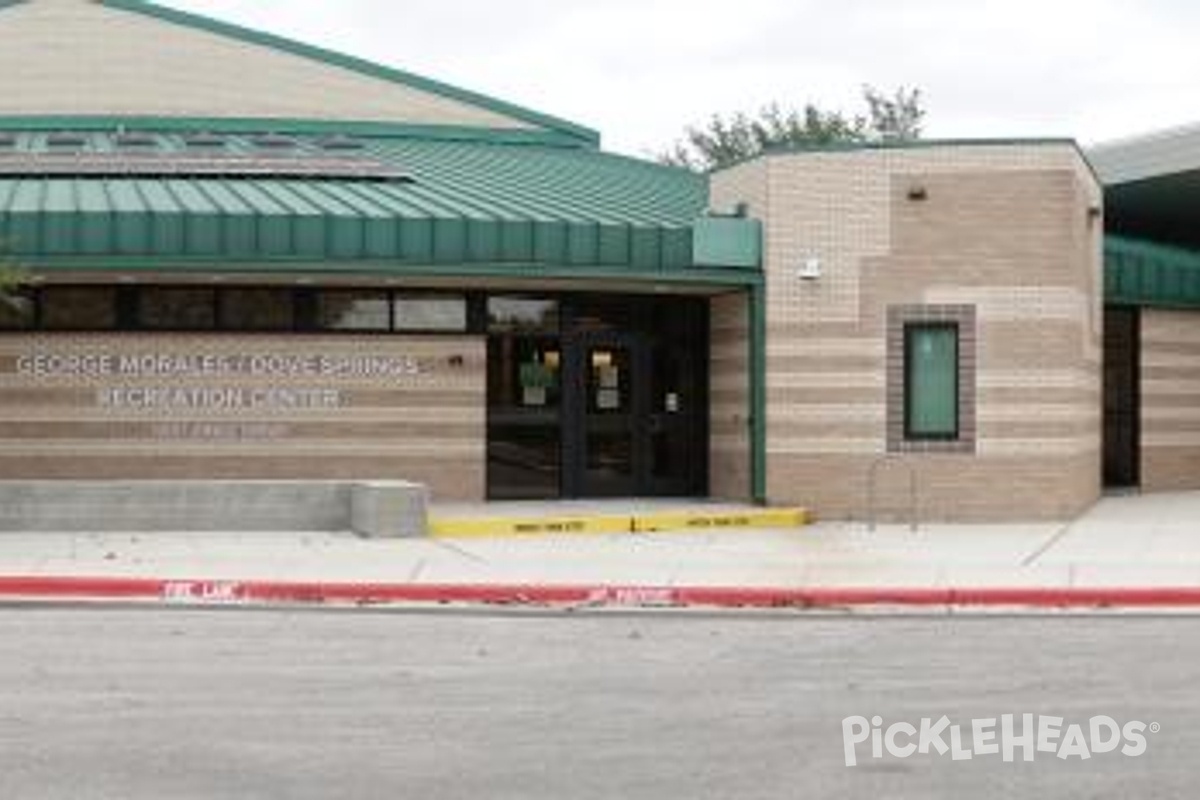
(872, 474)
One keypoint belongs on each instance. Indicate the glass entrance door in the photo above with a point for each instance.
(608, 460)
(597, 396)
(635, 402)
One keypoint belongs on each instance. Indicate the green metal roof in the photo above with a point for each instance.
(1138, 272)
(534, 208)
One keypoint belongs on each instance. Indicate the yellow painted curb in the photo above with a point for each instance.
(698, 519)
(687, 520)
(464, 527)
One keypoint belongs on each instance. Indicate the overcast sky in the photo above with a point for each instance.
(639, 71)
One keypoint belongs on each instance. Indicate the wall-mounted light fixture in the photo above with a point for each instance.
(810, 269)
(917, 193)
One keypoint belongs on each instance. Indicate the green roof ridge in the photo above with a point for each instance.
(297, 127)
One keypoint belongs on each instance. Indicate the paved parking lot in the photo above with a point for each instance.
(268, 704)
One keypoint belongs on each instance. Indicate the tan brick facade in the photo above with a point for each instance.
(254, 406)
(1170, 400)
(1010, 232)
(729, 393)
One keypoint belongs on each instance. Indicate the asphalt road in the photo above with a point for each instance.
(99, 703)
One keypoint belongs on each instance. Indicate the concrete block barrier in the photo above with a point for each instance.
(389, 509)
(188, 505)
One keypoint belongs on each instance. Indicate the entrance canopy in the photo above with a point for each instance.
(406, 205)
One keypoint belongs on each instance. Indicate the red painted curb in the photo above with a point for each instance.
(313, 593)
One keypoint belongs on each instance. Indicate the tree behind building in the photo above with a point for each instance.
(726, 140)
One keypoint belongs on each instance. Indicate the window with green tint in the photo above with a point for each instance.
(931, 381)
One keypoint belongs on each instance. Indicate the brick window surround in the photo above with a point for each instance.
(898, 318)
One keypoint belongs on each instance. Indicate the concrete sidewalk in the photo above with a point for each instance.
(1136, 542)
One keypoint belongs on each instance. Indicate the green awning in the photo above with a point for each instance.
(468, 203)
(1143, 273)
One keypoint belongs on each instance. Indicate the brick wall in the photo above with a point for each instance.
(261, 406)
(1170, 388)
(1002, 230)
(730, 463)
(729, 393)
